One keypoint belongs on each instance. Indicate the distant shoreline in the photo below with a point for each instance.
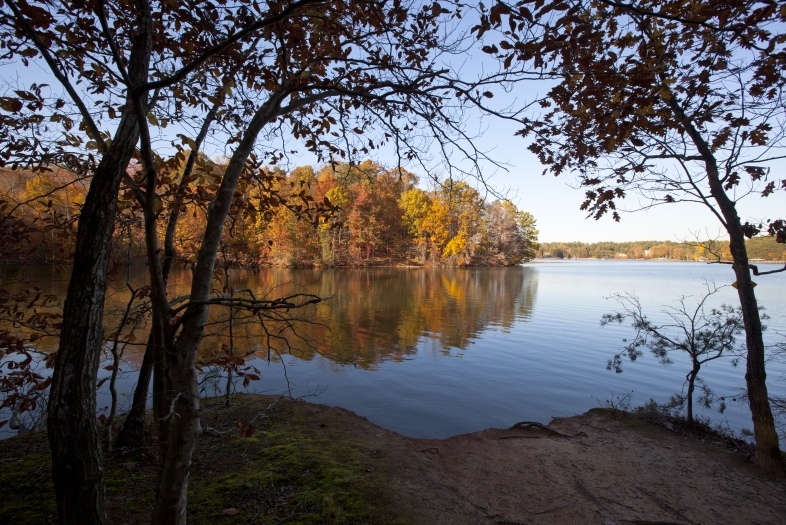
(661, 259)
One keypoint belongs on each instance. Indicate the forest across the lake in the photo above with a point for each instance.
(764, 248)
(337, 215)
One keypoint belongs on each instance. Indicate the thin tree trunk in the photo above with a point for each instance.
(117, 353)
(162, 399)
(132, 433)
(691, 389)
(113, 392)
(184, 430)
(768, 455)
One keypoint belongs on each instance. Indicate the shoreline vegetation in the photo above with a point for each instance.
(267, 459)
(339, 215)
(759, 249)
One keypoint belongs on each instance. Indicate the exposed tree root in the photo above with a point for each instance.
(523, 425)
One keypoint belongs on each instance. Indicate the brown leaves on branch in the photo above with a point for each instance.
(644, 84)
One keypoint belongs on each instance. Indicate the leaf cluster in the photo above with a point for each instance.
(651, 96)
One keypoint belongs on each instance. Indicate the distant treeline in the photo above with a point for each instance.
(759, 248)
(339, 215)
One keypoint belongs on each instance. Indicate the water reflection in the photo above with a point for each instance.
(371, 315)
(381, 314)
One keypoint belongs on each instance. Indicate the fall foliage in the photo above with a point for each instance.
(380, 217)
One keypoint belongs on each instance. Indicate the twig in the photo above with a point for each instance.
(214, 433)
(172, 407)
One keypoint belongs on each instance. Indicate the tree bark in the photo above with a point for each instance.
(132, 433)
(691, 389)
(768, 455)
(184, 430)
(71, 427)
(183, 417)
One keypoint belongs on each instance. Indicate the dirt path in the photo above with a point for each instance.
(610, 473)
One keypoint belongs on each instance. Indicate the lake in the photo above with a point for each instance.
(432, 353)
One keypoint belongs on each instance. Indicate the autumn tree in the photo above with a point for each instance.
(324, 73)
(671, 101)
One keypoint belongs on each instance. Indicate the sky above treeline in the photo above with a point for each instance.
(554, 201)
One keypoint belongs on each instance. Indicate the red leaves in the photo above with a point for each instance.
(733, 180)
(12, 105)
(246, 428)
(768, 189)
(43, 385)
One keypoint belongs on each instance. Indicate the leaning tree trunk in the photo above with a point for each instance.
(183, 418)
(71, 424)
(132, 433)
(768, 455)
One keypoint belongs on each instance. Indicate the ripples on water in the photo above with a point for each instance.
(437, 352)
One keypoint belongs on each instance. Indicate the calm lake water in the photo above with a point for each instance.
(436, 352)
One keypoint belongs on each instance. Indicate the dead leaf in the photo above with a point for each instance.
(231, 511)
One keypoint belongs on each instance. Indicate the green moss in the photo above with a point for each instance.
(26, 488)
(304, 464)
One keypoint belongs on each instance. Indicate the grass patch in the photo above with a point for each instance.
(299, 464)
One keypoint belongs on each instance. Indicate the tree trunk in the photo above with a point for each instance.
(691, 389)
(71, 427)
(132, 434)
(183, 419)
(184, 430)
(768, 454)
(162, 400)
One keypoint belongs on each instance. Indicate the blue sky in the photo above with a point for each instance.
(553, 202)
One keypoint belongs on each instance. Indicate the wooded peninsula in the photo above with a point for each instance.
(338, 215)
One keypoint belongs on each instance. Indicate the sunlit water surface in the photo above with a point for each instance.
(432, 353)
